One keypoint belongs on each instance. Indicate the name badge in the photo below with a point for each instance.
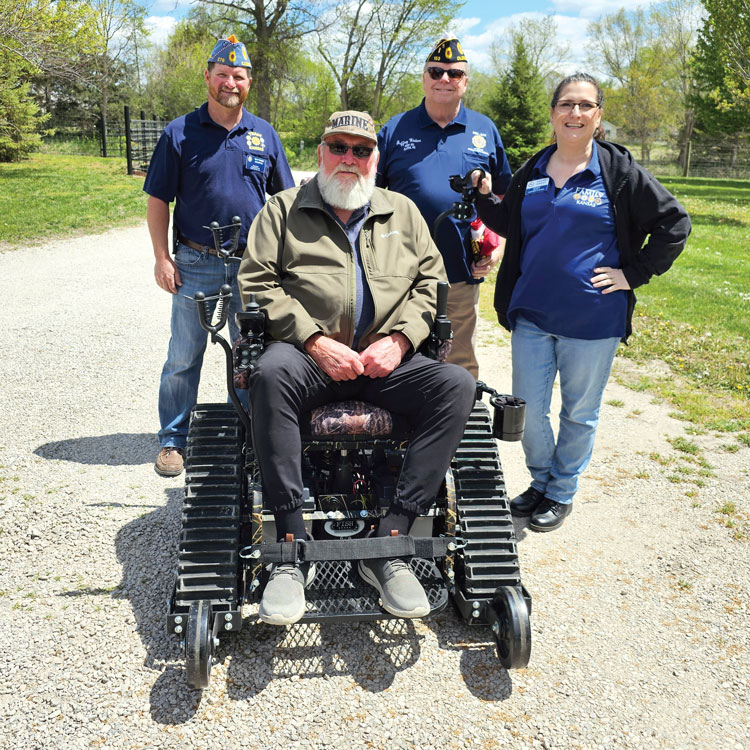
(537, 186)
(256, 163)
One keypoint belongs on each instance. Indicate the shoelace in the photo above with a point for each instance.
(397, 566)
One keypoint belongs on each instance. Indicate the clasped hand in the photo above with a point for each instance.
(340, 362)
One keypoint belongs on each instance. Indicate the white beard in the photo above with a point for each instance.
(346, 196)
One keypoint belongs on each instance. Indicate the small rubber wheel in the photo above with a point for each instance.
(509, 618)
(199, 645)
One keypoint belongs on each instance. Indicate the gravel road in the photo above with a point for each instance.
(641, 604)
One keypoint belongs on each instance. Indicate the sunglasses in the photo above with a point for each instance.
(339, 149)
(437, 73)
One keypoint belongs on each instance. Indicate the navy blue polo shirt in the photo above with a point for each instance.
(216, 174)
(565, 235)
(416, 158)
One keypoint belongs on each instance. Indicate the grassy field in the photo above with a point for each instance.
(52, 196)
(696, 317)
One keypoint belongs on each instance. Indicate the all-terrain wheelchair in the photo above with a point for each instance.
(463, 550)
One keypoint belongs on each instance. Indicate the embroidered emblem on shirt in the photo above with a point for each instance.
(588, 197)
(478, 141)
(255, 141)
(409, 144)
(390, 234)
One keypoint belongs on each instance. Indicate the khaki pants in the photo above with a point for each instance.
(463, 310)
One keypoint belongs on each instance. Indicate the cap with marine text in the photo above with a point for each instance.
(230, 51)
(447, 50)
(351, 122)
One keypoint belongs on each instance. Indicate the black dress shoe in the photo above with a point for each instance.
(526, 503)
(550, 515)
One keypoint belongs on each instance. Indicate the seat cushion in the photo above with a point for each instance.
(350, 418)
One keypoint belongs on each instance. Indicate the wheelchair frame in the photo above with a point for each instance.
(463, 549)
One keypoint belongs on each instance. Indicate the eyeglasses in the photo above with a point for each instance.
(437, 73)
(339, 149)
(566, 107)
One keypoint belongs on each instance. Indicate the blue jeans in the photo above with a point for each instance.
(178, 391)
(584, 367)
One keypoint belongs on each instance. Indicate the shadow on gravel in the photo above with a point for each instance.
(481, 670)
(147, 550)
(521, 527)
(119, 449)
(370, 653)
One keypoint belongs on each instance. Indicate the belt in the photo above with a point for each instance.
(200, 248)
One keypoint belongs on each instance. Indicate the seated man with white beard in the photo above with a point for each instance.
(347, 274)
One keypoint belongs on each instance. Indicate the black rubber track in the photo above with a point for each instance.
(208, 551)
(490, 558)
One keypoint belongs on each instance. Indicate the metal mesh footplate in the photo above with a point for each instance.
(338, 593)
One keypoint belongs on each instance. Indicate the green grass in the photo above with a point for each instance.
(695, 317)
(50, 196)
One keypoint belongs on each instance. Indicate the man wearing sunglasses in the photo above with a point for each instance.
(347, 274)
(419, 150)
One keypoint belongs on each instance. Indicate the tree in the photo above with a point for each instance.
(719, 113)
(631, 52)
(270, 29)
(19, 122)
(304, 98)
(36, 37)
(378, 44)
(677, 21)
(540, 40)
(53, 37)
(480, 91)
(729, 31)
(119, 24)
(174, 74)
(520, 107)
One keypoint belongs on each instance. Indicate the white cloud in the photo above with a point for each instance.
(160, 27)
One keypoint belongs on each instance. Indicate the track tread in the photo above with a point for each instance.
(490, 558)
(207, 557)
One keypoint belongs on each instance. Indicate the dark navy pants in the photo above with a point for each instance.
(435, 397)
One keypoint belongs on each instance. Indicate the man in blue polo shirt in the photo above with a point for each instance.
(419, 150)
(215, 163)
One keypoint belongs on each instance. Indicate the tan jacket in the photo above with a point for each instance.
(300, 265)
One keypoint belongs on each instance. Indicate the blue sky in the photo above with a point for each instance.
(477, 24)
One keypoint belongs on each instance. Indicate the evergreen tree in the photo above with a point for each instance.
(19, 122)
(520, 108)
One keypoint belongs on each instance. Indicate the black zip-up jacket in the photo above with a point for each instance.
(642, 207)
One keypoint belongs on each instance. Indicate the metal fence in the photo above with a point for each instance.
(702, 158)
(124, 136)
(141, 137)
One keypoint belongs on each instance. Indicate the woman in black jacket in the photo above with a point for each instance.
(575, 216)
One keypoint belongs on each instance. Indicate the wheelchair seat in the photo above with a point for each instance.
(350, 418)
